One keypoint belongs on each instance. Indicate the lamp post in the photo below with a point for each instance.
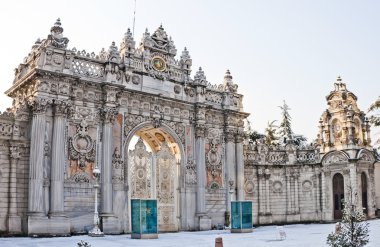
(96, 232)
(228, 212)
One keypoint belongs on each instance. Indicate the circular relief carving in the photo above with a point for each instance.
(140, 173)
(158, 63)
(277, 186)
(136, 79)
(82, 144)
(249, 187)
(307, 185)
(165, 175)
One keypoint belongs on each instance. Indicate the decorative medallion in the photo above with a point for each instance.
(158, 63)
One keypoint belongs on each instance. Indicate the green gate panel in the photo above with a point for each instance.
(144, 218)
(241, 216)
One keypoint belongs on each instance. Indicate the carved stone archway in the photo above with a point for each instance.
(338, 195)
(154, 171)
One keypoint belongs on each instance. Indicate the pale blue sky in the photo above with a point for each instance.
(289, 50)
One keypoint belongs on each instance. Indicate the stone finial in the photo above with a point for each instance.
(185, 54)
(113, 53)
(128, 35)
(56, 38)
(186, 61)
(57, 29)
(200, 77)
(228, 85)
(127, 46)
(339, 85)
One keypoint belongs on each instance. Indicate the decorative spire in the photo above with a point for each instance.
(339, 85)
(56, 38)
(127, 46)
(185, 54)
(228, 85)
(56, 29)
(200, 77)
(113, 53)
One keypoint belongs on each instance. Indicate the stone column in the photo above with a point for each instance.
(354, 185)
(288, 193)
(296, 196)
(267, 191)
(108, 117)
(240, 166)
(14, 220)
(58, 160)
(230, 162)
(200, 132)
(316, 181)
(36, 160)
(371, 193)
(261, 196)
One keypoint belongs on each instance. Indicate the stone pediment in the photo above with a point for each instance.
(159, 41)
(366, 156)
(335, 157)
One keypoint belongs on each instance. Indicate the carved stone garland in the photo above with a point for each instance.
(214, 161)
(118, 167)
(191, 172)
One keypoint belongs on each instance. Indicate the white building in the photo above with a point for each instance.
(155, 132)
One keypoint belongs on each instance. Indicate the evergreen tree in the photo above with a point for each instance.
(270, 133)
(253, 134)
(285, 129)
(375, 117)
(353, 230)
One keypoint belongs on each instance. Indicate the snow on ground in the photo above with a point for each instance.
(300, 235)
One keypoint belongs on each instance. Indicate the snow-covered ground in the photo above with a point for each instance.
(300, 235)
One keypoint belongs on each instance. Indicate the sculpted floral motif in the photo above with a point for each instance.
(213, 159)
(118, 167)
(191, 172)
(140, 171)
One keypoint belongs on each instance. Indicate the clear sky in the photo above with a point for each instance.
(289, 50)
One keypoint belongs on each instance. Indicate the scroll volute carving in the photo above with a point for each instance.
(214, 163)
(82, 149)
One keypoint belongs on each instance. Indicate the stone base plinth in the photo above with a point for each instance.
(293, 218)
(44, 226)
(265, 219)
(144, 236)
(204, 224)
(241, 230)
(14, 224)
(111, 225)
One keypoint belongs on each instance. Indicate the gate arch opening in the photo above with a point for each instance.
(364, 193)
(338, 194)
(154, 156)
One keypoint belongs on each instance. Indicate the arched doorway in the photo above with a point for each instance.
(364, 192)
(153, 173)
(338, 194)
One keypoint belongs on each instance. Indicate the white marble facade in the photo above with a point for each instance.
(74, 110)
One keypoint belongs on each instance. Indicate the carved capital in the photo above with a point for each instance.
(108, 114)
(39, 105)
(14, 152)
(61, 108)
(239, 136)
(200, 131)
(229, 135)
